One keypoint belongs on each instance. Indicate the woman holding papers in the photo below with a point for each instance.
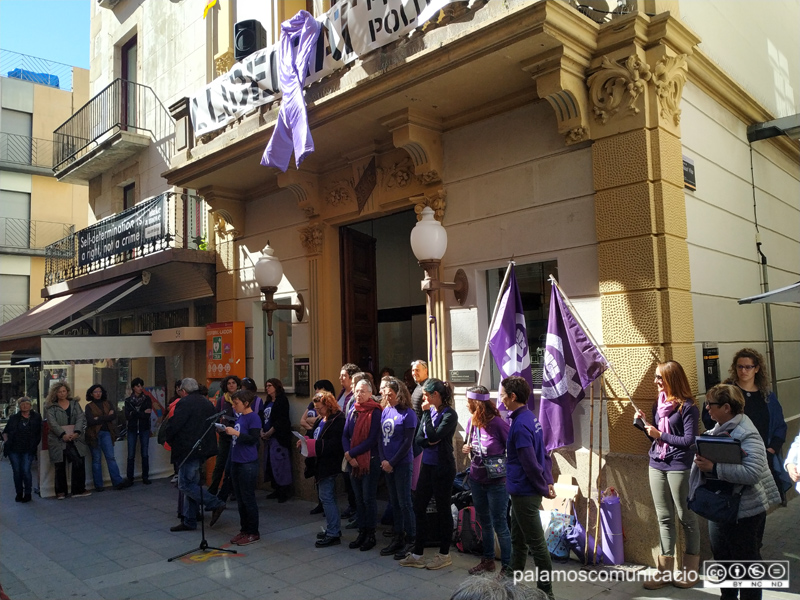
(675, 418)
(740, 540)
(66, 441)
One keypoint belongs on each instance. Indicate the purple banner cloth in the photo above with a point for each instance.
(291, 131)
(508, 339)
(571, 363)
(612, 548)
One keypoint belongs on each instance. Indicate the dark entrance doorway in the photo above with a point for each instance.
(383, 308)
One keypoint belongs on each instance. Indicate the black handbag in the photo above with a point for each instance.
(71, 454)
(717, 501)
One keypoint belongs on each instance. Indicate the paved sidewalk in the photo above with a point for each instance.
(115, 545)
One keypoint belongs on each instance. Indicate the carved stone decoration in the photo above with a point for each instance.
(223, 63)
(341, 192)
(398, 175)
(303, 185)
(616, 84)
(669, 76)
(576, 134)
(223, 225)
(437, 200)
(311, 238)
(429, 177)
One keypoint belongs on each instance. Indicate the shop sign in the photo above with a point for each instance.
(146, 223)
(225, 350)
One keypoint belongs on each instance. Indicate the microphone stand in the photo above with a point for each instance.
(203, 547)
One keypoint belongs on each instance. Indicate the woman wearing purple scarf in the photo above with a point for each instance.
(675, 415)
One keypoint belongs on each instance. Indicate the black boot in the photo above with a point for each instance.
(397, 543)
(409, 547)
(275, 494)
(369, 541)
(283, 494)
(362, 535)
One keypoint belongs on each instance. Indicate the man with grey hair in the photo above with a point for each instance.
(193, 414)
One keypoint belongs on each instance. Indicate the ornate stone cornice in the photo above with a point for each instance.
(436, 199)
(311, 238)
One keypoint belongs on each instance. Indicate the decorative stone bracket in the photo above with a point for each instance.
(560, 79)
(305, 188)
(420, 136)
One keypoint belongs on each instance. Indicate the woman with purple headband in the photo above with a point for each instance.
(486, 437)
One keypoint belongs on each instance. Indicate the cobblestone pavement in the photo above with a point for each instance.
(115, 545)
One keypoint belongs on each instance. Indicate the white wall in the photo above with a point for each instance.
(724, 263)
(756, 43)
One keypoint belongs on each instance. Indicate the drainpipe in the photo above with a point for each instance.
(768, 315)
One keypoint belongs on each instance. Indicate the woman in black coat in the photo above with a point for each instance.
(277, 434)
(22, 435)
(325, 454)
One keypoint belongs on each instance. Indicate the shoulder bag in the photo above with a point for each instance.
(717, 501)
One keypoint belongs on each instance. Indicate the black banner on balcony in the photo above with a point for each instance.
(144, 224)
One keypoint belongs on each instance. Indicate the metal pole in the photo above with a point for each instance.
(768, 315)
(599, 467)
(591, 463)
(494, 317)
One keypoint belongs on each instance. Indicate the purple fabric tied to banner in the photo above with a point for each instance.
(612, 549)
(571, 363)
(508, 339)
(291, 130)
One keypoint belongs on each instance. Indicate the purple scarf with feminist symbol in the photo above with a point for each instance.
(291, 131)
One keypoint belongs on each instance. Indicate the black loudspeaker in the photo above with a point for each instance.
(248, 36)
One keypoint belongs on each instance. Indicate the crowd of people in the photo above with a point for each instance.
(404, 431)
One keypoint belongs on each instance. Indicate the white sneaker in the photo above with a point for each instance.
(439, 562)
(410, 561)
(83, 495)
(174, 479)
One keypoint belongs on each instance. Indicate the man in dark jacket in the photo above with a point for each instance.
(193, 414)
(138, 408)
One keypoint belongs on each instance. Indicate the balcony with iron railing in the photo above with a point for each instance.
(26, 154)
(119, 122)
(168, 227)
(12, 311)
(30, 238)
(36, 70)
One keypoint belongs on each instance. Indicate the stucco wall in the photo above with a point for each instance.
(721, 216)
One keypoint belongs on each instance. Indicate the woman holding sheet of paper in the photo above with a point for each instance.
(675, 418)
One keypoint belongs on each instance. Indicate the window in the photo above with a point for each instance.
(129, 196)
(15, 212)
(15, 142)
(534, 288)
(16, 294)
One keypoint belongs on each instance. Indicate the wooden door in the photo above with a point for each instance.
(359, 299)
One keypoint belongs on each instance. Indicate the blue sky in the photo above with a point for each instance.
(56, 30)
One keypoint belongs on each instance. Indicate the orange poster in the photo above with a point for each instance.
(225, 350)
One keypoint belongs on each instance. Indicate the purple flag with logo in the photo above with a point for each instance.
(291, 130)
(508, 339)
(571, 363)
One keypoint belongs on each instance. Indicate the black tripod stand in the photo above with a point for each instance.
(203, 547)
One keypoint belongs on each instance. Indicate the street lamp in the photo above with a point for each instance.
(429, 243)
(269, 272)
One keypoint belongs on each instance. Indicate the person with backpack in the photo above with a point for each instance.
(487, 435)
(529, 478)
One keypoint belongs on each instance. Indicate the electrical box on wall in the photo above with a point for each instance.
(710, 364)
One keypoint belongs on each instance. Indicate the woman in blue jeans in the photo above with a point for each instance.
(360, 443)
(398, 427)
(101, 432)
(245, 436)
(22, 434)
(324, 460)
(487, 434)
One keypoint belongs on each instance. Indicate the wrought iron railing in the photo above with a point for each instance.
(169, 220)
(11, 311)
(23, 150)
(23, 233)
(121, 106)
(38, 70)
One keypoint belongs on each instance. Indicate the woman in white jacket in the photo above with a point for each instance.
(792, 463)
(740, 540)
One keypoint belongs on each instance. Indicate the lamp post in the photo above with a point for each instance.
(429, 243)
(269, 272)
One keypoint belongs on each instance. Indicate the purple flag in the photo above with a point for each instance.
(508, 339)
(291, 130)
(571, 363)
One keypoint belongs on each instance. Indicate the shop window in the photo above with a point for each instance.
(534, 287)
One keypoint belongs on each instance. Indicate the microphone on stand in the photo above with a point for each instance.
(215, 416)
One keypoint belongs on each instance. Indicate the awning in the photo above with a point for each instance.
(42, 319)
(790, 293)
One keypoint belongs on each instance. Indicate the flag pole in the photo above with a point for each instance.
(592, 339)
(591, 461)
(494, 318)
(599, 467)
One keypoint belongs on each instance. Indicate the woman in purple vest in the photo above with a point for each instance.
(487, 435)
(675, 418)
